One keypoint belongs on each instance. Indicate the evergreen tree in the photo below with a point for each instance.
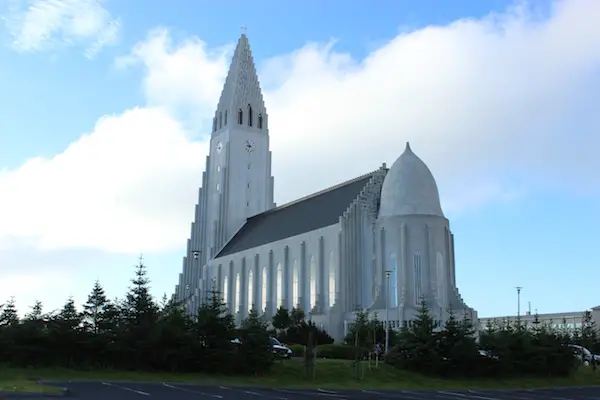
(255, 348)
(589, 331)
(95, 307)
(9, 315)
(36, 313)
(282, 320)
(215, 331)
(139, 307)
(68, 317)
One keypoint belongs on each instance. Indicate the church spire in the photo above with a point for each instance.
(241, 101)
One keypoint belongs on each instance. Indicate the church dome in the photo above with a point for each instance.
(409, 188)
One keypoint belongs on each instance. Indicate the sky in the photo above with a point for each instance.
(105, 116)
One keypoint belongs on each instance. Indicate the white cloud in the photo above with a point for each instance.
(480, 100)
(37, 25)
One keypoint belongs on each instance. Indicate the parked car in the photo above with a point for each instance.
(584, 355)
(280, 350)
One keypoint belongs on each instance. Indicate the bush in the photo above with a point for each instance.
(297, 350)
(341, 352)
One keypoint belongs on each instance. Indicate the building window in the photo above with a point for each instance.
(237, 292)
(220, 119)
(225, 291)
(260, 121)
(249, 115)
(247, 204)
(218, 187)
(240, 117)
(248, 166)
(225, 122)
(313, 283)
(393, 283)
(295, 283)
(279, 285)
(264, 289)
(214, 124)
(417, 278)
(331, 280)
(250, 287)
(218, 168)
(248, 185)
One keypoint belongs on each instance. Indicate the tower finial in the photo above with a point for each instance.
(243, 28)
(408, 147)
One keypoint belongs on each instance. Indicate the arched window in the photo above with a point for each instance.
(331, 280)
(225, 292)
(295, 283)
(279, 285)
(237, 292)
(260, 121)
(250, 291)
(214, 124)
(240, 117)
(264, 289)
(220, 119)
(441, 278)
(249, 115)
(225, 122)
(418, 282)
(313, 282)
(393, 283)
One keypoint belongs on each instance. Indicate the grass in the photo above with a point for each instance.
(329, 374)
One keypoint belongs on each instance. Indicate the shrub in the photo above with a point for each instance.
(341, 352)
(297, 350)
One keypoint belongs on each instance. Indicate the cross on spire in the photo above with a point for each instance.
(243, 28)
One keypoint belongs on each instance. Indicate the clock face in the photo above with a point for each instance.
(219, 147)
(249, 146)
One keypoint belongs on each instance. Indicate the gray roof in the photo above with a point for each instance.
(304, 215)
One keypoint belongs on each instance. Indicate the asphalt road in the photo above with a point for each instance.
(175, 391)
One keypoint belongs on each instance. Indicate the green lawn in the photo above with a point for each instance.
(329, 374)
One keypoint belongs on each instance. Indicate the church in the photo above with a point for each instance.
(378, 242)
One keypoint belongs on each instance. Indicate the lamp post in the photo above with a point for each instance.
(387, 311)
(519, 302)
(196, 255)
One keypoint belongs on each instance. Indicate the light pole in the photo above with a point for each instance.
(519, 302)
(196, 255)
(387, 310)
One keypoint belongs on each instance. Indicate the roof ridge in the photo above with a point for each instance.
(315, 194)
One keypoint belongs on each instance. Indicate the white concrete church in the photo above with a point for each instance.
(378, 242)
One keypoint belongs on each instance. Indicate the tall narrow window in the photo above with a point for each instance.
(313, 282)
(240, 117)
(214, 124)
(225, 290)
(220, 119)
(331, 280)
(260, 121)
(249, 115)
(393, 283)
(295, 284)
(279, 285)
(264, 289)
(237, 292)
(225, 122)
(250, 289)
(441, 278)
(417, 278)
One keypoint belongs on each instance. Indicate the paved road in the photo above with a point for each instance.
(173, 391)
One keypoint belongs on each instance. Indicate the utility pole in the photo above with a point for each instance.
(387, 311)
(519, 302)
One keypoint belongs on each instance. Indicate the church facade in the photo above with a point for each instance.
(379, 242)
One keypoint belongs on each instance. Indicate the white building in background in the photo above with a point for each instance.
(569, 321)
(377, 242)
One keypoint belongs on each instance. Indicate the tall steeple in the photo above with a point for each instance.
(241, 100)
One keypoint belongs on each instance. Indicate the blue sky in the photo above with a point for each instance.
(102, 147)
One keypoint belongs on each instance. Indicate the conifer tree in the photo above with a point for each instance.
(95, 308)
(9, 315)
(255, 347)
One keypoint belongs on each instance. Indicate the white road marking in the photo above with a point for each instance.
(452, 394)
(216, 396)
(126, 388)
(253, 393)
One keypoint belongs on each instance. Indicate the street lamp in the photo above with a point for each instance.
(519, 301)
(387, 311)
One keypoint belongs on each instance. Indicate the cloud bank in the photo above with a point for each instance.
(38, 25)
